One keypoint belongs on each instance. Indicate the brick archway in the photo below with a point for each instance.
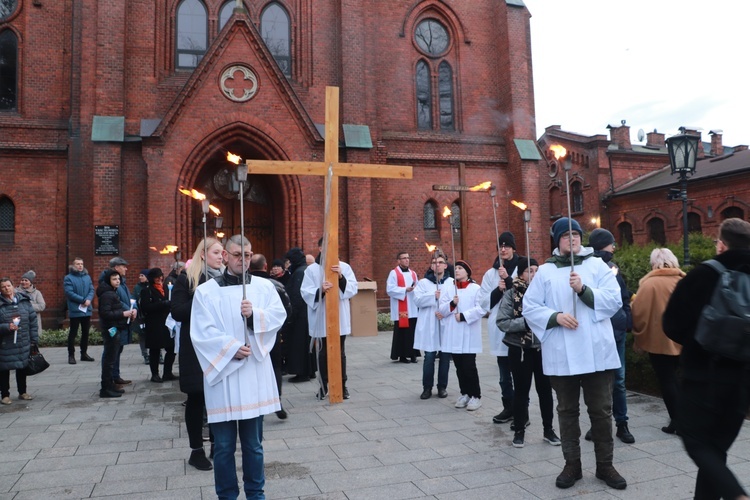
(272, 222)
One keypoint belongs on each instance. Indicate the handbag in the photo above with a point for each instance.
(36, 364)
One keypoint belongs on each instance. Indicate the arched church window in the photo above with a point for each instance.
(656, 231)
(435, 99)
(625, 233)
(7, 8)
(8, 70)
(730, 212)
(424, 96)
(445, 87)
(275, 30)
(456, 219)
(7, 221)
(428, 215)
(694, 223)
(192, 33)
(555, 202)
(576, 190)
(226, 12)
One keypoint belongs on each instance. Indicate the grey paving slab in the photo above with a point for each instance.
(384, 442)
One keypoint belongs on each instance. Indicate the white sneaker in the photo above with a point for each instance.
(462, 401)
(474, 404)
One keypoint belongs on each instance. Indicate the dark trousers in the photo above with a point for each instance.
(277, 362)
(525, 363)
(194, 409)
(468, 376)
(85, 323)
(323, 361)
(716, 412)
(506, 380)
(153, 360)
(665, 368)
(597, 394)
(402, 345)
(5, 382)
(109, 355)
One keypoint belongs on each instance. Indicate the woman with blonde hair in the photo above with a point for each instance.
(647, 308)
(191, 375)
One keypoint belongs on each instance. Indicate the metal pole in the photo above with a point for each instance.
(493, 193)
(567, 164)
(453, 249)
(242, 177)
(683, 195)
(204, 207)
(526, 220)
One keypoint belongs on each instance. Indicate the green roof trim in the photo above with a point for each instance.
(527, 149)
(517, 3)
(108, 129)
(357, 136)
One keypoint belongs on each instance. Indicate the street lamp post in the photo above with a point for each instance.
(683, 153)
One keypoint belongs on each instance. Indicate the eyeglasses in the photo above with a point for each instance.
(505, 247)
(238, 255)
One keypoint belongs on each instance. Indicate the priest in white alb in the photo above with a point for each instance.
(233, 339)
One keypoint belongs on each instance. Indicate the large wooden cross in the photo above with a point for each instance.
(331, 161)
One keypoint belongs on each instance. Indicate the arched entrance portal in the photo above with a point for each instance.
(269, 225)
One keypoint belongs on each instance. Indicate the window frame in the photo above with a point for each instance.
(289, 42)
(16, 70)
(7, 235)
(179, 52)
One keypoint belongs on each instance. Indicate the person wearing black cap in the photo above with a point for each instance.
(494, 283)
(603, 243)
(569, 311)
(462, 336)
(525, 357)
(121, 266)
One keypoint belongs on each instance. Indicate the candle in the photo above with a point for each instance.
(169, 287)
(132, 305)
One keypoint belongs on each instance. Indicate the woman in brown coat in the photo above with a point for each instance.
(647, 308)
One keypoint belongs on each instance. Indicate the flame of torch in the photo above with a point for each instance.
(519, 204)
(168, 249)
(481, 187)
(232, 158)
(447, 211)
(197, 195)
(430, 248)
(559, 151)
(215, 210)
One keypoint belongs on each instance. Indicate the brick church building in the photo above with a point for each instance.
(109, 107)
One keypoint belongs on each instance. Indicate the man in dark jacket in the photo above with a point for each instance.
(128, 304)
(299, 361)
(79, 292)
(259, 267)
(715, 392)
(603, 243)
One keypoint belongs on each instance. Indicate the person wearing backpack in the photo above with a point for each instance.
(715, 392)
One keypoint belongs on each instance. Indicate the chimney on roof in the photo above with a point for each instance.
(620, 135)
(741, 147)
(717, 148)
(655, 139)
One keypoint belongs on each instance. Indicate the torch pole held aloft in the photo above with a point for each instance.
(493, 193)
(242, 178)
(567, 164)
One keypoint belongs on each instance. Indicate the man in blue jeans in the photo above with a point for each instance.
(427, 334)
(603, 243)
(233, 337)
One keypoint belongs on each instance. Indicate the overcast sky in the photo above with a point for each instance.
(658, 64)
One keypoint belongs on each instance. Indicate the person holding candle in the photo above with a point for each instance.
(578, 350)
(79, 292)
(462, 336)
(176, 270)
(156, 306)
(428, 332)
(18, 332)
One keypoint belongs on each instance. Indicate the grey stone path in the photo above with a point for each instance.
(382, 443)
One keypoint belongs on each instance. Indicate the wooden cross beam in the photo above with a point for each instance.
(331, 160)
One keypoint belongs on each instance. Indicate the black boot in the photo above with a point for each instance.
(199, 461)
(571, 473)
(507, 414)
(109, 393)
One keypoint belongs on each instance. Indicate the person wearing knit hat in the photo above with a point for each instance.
(525, 358)
(156, 306)
(462, 337)
(37, 301)
(603, 243)
(495, 281)
(579, 352)
(429, 327)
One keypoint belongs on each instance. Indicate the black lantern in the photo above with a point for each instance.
(683, 153)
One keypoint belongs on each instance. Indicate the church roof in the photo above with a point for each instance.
(706, 168)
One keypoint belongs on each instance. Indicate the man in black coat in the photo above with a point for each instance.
(299, 359)
(715, 392)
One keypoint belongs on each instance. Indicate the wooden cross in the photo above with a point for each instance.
(331, 161)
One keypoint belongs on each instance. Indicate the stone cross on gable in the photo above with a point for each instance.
(330, 250)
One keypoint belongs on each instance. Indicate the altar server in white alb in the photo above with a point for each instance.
(462, 336)
(569, 311)
(346, 286)
(233, 339)
(429, 329)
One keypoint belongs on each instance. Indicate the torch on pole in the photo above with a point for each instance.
(493, 194)
(204, 207)
(241, 179)
(448, 214)
(561, 154)
(527, 230)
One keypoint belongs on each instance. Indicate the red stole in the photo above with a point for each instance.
(403, 307)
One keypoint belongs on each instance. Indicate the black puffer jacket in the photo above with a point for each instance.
(191, 374)
(110, 308)
(15, 355)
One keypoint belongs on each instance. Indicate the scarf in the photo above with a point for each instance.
(213, 273)
(463, 284)
(403, 306)
(519, 289)
(159, 288)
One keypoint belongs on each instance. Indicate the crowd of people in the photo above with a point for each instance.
(562, 323)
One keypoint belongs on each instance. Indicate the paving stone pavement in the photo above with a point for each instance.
(384, 442)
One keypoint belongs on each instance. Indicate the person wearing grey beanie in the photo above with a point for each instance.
(37, 301)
